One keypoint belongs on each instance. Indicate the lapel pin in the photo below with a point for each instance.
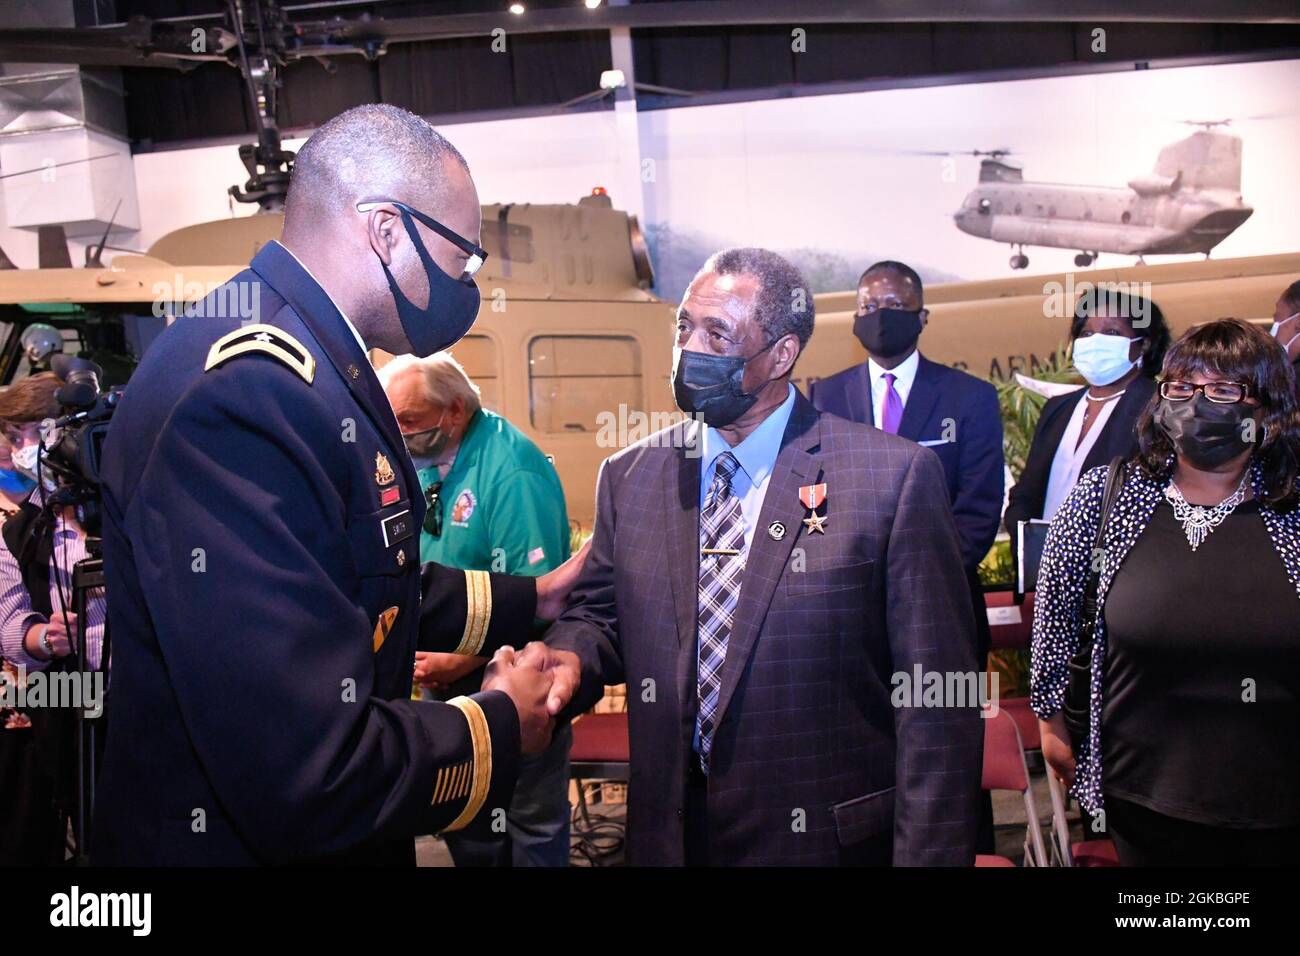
(383, 470)
(776, 531)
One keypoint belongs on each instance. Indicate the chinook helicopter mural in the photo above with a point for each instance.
(1189, 203)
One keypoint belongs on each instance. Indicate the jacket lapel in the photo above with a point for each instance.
(1117, 437)
(681, 490)
(680, 487)
(767, 559)
(859, 397)
(1054, 431)
(921, 400)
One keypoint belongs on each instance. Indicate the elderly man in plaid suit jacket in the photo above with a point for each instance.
(764, 577)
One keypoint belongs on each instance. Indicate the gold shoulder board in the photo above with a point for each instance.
(265, 340)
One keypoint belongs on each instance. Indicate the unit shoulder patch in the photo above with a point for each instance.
(262, 339)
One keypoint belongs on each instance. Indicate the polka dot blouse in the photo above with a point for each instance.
(1058, 603)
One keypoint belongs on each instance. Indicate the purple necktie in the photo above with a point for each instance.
(893, 415)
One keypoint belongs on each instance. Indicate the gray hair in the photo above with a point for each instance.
(370, 152)
(784, 305)
(445, 379)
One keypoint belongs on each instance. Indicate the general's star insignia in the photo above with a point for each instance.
(263, 337)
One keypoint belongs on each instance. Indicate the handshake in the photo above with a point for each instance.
(541, 681)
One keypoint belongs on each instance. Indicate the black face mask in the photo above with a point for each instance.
(452, 307)
(1206, 433)
(887, 332)
(710, 386)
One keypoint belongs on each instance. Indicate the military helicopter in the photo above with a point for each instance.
(1189, 203)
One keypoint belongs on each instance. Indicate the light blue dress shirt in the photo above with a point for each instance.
(756, 454)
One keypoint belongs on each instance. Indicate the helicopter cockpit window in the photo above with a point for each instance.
(984, 207)
(507, 241)
(573, 378)
(477, 354)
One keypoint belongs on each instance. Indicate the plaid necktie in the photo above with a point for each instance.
(892, 415)
(721, 529)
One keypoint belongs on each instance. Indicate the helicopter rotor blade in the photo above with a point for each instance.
(70, 162)
(995, 153)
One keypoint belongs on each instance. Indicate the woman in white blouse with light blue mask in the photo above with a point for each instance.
(1118, 344)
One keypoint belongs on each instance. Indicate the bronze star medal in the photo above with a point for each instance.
(813, 497)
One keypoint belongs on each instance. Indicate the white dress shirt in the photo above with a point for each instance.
(904, 375)
(1071, 453)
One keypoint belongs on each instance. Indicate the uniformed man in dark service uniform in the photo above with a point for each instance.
(261, 543)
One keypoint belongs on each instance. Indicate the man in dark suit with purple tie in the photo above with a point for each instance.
(902, 392)
(764, 578)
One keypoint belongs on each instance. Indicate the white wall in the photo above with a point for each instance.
(826, 172)
(550, 159)
(831, 172)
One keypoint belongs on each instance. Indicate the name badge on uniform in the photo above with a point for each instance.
(397, 528)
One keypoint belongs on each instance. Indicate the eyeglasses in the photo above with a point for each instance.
(433, 513)
(1221, 393)
(477, 254)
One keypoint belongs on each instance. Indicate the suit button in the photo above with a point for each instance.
(681, 814)
(401, 558)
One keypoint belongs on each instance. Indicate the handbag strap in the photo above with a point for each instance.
(1114, 482)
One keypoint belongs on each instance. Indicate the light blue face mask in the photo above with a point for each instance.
(15, 482)
(1102, 358)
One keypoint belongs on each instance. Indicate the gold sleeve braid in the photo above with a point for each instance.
(478, 612)
(481, 777)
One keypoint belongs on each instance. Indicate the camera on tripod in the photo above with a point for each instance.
(72, 446)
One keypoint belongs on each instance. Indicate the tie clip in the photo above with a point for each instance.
(731, 551)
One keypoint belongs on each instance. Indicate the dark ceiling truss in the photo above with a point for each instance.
(305, 31)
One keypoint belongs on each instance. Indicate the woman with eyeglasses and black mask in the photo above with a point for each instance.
(1117, 342)
(1193, 683)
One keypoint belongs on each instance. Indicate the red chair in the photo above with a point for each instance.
(1026, 721)
(1010, 624)
(1005, 769)
(1011, 627)
(1095, 853)
(1065, 852)
(600, 751)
